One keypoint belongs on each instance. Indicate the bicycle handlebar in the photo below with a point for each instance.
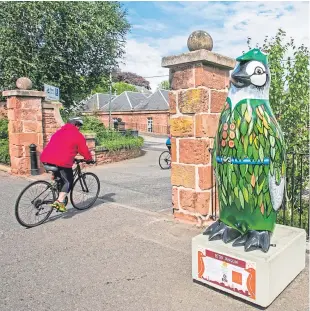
(84, 161)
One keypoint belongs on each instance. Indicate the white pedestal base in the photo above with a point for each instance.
(253, 276)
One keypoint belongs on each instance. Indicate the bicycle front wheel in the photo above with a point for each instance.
(85, 191)
(33, 205)
(165, 160)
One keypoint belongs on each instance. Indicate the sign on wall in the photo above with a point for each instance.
(52, 92)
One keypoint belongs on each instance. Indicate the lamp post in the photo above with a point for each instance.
(110, 97)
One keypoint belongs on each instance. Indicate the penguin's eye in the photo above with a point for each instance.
(255, 67)
(258, 71)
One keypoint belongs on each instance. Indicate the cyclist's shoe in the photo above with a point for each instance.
(59, 206)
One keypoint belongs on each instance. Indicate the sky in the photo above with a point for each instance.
(162, 28)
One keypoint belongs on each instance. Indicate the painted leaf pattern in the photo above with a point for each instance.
(249, 131)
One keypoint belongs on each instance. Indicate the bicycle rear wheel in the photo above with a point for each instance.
(165, 160)
(33, 205)
(85, 191)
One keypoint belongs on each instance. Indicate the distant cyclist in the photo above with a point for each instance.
(61, 150)
(168, 143)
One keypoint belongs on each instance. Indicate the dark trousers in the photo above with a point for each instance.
(66, 176)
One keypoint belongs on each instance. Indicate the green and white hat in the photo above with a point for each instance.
(254, 54)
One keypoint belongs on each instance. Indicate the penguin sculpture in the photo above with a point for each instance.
(249, 158)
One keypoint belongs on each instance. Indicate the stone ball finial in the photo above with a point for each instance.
(199, 40)
(24, 83)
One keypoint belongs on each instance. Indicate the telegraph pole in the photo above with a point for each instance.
(110, 93)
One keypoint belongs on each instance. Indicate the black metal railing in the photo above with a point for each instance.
(295, 207)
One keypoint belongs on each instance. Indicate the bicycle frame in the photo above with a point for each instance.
(40, 195)
(77, 173)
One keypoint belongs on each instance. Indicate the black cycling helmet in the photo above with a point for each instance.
(76, 121)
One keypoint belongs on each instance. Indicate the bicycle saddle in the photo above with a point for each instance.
(50, 168)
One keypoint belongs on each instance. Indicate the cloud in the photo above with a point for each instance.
(150, 25)
(257, 23)
(209, 10)
(145, 60)
(228, 23)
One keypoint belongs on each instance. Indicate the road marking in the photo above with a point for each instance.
(165, 209)
(183, 251)
(136, 209)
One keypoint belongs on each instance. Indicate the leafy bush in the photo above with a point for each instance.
(120, 87)
(4, 132)
(122, 142)
(110, 139)
(4, 142)
(4, 152)
(94, 125)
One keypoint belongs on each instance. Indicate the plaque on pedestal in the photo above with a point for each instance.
(254, 276)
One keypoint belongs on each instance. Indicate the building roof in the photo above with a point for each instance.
(98, 98)
(157, 101)
(127, 101)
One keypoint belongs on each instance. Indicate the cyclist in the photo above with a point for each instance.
(61, 150)
(168, 143)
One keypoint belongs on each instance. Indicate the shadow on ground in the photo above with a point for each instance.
(73, 211)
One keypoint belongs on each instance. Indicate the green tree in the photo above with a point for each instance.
(102, 86)
(67, 44)
(120, 87)
(289, 89)
(164, 85)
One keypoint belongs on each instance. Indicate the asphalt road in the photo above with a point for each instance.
(125, 253)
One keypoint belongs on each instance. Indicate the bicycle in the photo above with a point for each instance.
(41, 200)
(165, 160)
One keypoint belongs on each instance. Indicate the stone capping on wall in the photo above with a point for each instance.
(204, 56)
(23, 93)
(89, 135)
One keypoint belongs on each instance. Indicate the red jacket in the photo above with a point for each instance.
(64, 145)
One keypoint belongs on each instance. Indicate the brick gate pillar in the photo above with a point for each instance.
(199, 82)
(25, 124)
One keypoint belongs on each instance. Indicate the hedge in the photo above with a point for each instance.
(110, 139)
(4, 142)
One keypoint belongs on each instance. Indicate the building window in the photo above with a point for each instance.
(150, 125)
